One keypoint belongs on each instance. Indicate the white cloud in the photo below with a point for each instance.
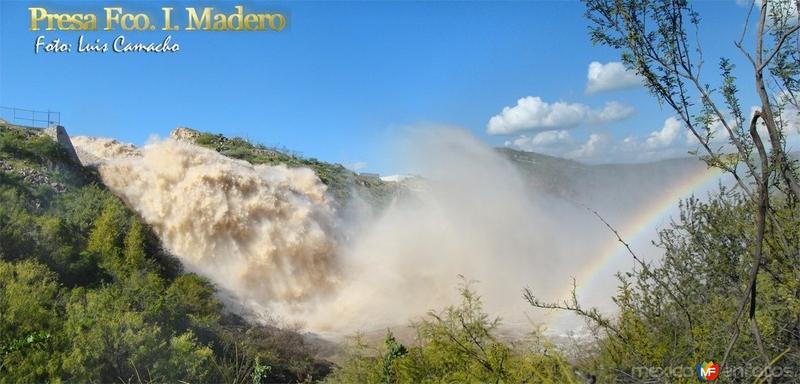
(532, 113)
(666, 136)
(790, 114)
(719, 135)
(788, 9)
(598, 143)
(671, 140)
(603, 147)
(613, 111)
(610, 76)
(550, 137)
(791, 119)
(547, 142)
(721, 139)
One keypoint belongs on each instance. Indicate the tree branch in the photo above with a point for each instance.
(777, 46)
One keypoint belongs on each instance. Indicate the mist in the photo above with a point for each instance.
(261, 233)
(281, 250)
(471, 215)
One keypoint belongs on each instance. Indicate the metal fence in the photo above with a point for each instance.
(30, 117)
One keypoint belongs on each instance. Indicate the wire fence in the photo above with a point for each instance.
(30, 117)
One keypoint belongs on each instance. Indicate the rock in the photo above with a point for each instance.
(184, 134)
(5, 167)
(36, 178)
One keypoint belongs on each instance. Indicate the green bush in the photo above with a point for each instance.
(456, 345)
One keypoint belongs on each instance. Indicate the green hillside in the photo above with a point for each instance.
(88, 294)
(616, 190)
(341, 182)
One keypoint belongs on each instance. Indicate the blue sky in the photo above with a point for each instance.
(344, 79)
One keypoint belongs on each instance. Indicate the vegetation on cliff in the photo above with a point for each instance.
(87, 293)
(341, 182)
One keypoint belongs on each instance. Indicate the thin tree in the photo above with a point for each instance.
(659, 41)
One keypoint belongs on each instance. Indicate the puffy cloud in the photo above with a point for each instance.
(787, 8)
(547, 138)
(596, 144)
(533, 113)
(790, 114)
(791, 119)
(551, 137)
(548, 142)
(718, 134)
(610, 76)
(666, 136)
(603, 147)
(671, 140)
(613, 111)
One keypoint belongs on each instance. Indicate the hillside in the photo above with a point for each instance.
(572, 179)
(615, 190)
(340, 181)
(88, 293)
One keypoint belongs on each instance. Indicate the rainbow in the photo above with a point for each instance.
(640, 225)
